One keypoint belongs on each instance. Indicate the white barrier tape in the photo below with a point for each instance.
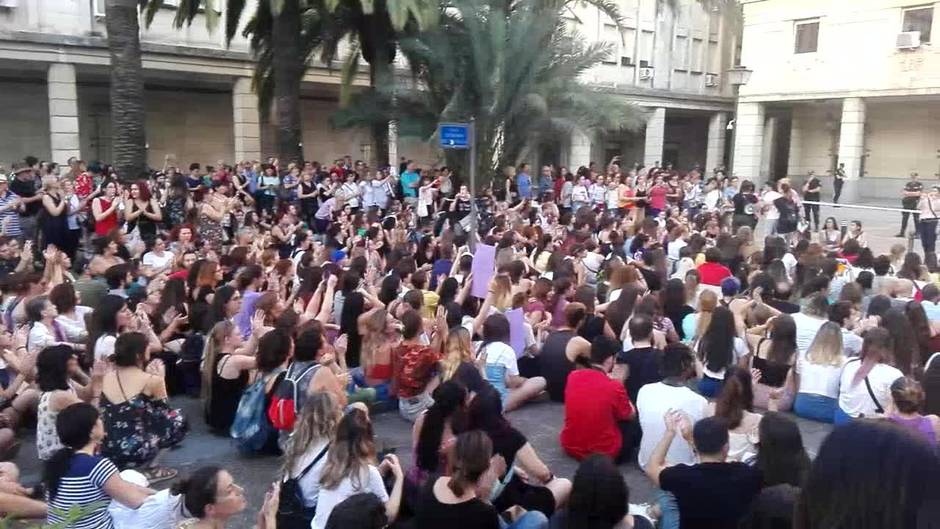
(859, 206)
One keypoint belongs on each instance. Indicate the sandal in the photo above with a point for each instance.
(156, 475)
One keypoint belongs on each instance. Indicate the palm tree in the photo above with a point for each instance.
(513, 69)
(128, 117)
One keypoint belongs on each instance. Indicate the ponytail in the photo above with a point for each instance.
(448, 400)
(74, 425)
(198, 490)
(55, 469)
(469, 460)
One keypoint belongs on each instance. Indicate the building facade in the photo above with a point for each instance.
(836, 82)
(670, 59)
(201, 108)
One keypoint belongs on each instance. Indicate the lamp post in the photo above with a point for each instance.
(738, 76)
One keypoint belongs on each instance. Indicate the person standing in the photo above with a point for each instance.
(929, 206)
(524, 182)
(811, 189)
(838, 180)
(909, 199)
(25, 186)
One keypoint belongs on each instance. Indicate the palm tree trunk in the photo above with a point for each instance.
(288, 71)
(128, 117)
(381, 72)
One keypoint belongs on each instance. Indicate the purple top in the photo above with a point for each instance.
(243, 318)
(919, 424)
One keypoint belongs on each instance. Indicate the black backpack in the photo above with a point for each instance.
(291, 513)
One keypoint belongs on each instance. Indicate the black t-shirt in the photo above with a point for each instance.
(812, 195)
(462, 209)
(26, 189)
(555, 364)
(471, 514)
(711, 495)
(741, 203)
(645, 365)
(653, 281)
(907, 202)
(507, 442)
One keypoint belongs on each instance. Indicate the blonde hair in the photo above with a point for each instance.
(826, 348)
(457, 349)
(214, 342)
(318, 419)
(707, 301)
(352, 451)
(502, 292)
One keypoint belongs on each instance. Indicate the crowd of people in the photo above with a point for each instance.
(296, 301)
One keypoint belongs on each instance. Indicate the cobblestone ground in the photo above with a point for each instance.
(540, 422)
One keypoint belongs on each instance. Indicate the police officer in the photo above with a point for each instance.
(909, 199)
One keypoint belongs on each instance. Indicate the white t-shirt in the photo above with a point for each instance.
(104, 346)
(74, 329)
(653, 401)
(310, 483)
(806, 329)
(771, 213)
(39, 337)
(501, 354)
(153, 260)
(851, 343)
(819, 379)
(855, 400)
(330, 498)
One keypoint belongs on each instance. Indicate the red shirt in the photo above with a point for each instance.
(658, 197)
(594, 404)
(413, 367)
(713, 273)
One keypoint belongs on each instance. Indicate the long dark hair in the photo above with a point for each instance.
(736, 396)
(220, 299)
(621, 308)
(906, 349)
(51, 368)
(74, 425)
(172, 296)
(495, 329)
(353, 306)
(672, 297)
(782, 457)
(782, 340)
(599, 495)
(486, 412)
(198, 490)
(103, 321)
(449, 400)
(716, 348)
(914, 311)
(890, 490)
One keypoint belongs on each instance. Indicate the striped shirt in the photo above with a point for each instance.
(13, 225)
(83, 486)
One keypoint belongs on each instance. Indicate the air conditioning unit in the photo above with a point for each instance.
(646, 73)
(711, 79)
(8, 4)
(908, 40)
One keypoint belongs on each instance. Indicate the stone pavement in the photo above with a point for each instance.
(540, 422)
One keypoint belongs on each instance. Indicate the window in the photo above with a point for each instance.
(807, 36)
(918, 19)
(625, 61)
(612, 38)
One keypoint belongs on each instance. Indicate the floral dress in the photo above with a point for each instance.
(138, 428)
(210, 231)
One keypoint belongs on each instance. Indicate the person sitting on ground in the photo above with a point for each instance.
(359, 511)
(597, 407)
(454, 501)
(435, 430)
(865, 383)
(135, 411)
(211, 496)
(672, 393)
(773, 358)
(816, 375)
(735, 404)
(62, 383)
(600, 499)
(227, 361)
(17, 501)
(562, 348)
(502, 369)
(415, 365)
(75, 477)
(712, 271)
(908, 397)
(712, 493)
(719, 349)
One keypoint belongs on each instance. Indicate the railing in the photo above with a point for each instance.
(859, 206)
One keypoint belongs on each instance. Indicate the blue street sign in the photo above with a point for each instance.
(454, 135)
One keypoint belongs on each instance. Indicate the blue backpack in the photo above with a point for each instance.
(251, 428)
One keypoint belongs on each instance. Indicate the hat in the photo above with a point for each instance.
(337, 256)
(20, 168)
(730, 286)
(3, 178)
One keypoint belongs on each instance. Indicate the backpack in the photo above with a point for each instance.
(291, 513)
(251, 428)
(189, 364)
(283, 409)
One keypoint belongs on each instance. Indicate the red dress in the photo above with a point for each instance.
(102, 227)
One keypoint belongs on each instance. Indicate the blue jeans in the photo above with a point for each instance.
(669, 511)
(928, 235)
(710, 387)
(529, 520)
(840, 417)
(815, 407)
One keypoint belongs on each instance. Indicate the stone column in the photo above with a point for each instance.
(852, 145)
(247, 121)
(715, 152)
(768, 147)
(579, 152)
(748, 141)
(655, 136)
(63, 112)
(795, 158)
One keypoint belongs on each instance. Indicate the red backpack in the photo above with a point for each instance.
(283, 408)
